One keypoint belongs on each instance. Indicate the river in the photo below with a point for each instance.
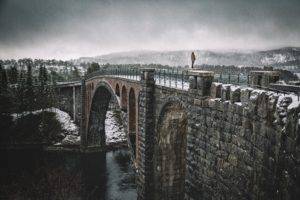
(48, 175)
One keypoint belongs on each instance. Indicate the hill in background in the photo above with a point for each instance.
(284, 58)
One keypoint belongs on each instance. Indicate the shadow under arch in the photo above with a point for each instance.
(101, 99)
(132, 120)
(124, 98)
(170, 150)
(117, 91)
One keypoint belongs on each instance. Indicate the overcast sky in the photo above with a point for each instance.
(67, 29)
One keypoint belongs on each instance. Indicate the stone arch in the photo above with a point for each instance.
(170, 150)
(132, 120)
(124, 98)
(96, 122)
(117, 90)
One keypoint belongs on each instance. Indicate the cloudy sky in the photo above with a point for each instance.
(67, 29)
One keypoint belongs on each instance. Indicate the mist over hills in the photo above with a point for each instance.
(283, 57)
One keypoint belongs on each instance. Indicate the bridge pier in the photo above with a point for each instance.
(74, 103)
(83, 132)
(145, 183)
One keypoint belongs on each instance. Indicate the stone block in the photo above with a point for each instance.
(225, 92)
(235, 94)
(245, 95)
(215, 90)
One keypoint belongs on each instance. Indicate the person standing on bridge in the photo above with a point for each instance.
(193, 58)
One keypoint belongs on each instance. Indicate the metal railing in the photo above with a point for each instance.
(236, 79)
(172, 77)
(169, 77)
(132, 73)
(177, 77)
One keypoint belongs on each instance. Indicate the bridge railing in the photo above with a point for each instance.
(172, 77)
(231, 78)
(133, 73)
(169, 77)
(177, 77)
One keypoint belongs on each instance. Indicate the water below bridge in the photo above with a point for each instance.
(44, 175)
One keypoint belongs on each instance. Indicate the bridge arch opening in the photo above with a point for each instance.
(117, 90)
(99, 107)
(132, 120)
(170, 152)
(124, 99)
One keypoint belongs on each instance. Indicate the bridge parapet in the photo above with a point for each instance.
(237, 132)
(263, 78)
(200, 81)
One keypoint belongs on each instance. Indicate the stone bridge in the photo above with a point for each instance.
(208, 141)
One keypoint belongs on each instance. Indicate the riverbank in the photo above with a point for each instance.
(64, 148)
(79, 149)
(4, 147)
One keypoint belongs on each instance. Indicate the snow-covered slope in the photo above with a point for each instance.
(67, 124)
(276, 57)
(114, 131)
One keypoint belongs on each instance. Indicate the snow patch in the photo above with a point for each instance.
(238, 103)
(67, 124)
(65, 120)
(234, 88)
(290, 101)
(70, 140)
(114, 131)
(217, 83)
(254, 94)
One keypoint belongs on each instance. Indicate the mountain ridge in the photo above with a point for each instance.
(273, 57)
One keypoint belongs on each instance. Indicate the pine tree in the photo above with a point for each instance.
(93, 67)
(51, 98)
(20, 92)
(3, 80)
(13, 75)
(43, 78)
(75, 74)
(29, 90)
(5, 101)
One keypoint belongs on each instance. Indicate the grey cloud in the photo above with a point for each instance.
(73, 28)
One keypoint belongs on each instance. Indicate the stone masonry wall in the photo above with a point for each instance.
(170, 143)
(242, 144)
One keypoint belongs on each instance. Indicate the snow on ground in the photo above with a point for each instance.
(67, 124)
(66, 121)
(292, 100)
(114, 131)
(69, 140)
(64, 118)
